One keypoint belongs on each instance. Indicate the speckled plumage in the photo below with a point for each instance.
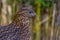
(19, 29)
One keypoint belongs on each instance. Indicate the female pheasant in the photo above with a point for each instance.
(19, 29)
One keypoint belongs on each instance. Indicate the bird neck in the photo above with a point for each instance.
(21, 21)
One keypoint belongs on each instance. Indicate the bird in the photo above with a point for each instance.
(19, 29)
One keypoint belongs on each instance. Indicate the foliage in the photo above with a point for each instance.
(40, 7)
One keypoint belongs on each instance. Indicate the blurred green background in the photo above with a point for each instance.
(45, 26)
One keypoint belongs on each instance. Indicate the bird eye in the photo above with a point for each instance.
(31, 12)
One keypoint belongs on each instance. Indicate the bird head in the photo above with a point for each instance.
(27, 11)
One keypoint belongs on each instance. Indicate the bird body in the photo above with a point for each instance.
(19, 29)
(15, 32)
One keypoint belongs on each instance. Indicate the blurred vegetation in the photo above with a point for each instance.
(45, 26)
